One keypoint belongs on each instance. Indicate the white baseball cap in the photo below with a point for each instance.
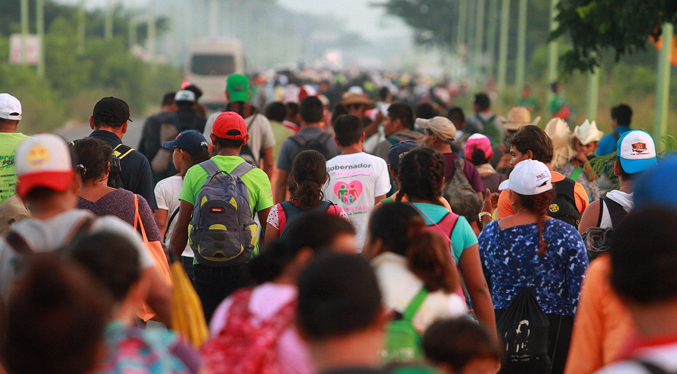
(185, 95)
(10, 107)
(43, 160)
(637, 151)
(529, 177)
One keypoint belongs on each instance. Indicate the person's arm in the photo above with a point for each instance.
(590, 216)
(272, 233)
(267, 158)
(263, 216)
(488, 207)
(373, 126)
(471, 270)
(160, 216)
(281, 186)
(159, 296)
(180, 234)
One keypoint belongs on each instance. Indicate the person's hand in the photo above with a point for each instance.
(489, 203)
(494, 199)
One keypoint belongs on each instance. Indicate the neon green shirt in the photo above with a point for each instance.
(8, 143)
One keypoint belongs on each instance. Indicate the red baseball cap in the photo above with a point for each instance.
(227, 121)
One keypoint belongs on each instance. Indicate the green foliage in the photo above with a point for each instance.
(430, 19)
(624, 26)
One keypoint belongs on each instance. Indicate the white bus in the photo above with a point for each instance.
(208, 64)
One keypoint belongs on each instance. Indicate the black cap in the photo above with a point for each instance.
(111, 110)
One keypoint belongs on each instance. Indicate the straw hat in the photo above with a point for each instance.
(517, 117)
(350, 98)
(559, 133)
(587, 133)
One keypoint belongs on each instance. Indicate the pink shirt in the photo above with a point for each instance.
(266, 300)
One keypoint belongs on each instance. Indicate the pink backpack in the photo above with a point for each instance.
(243, 347)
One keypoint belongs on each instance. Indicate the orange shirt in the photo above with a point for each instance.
(581, 197)
(603, 324)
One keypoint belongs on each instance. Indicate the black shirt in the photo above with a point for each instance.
(136, 173)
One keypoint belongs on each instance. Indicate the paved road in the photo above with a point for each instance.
(131, 138)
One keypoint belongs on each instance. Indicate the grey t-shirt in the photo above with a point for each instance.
(260, 132)
(290, 148)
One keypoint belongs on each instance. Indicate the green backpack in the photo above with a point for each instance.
(403, 342)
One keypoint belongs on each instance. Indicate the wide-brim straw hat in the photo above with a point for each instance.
(517, 117)
(350, 98)
(587, 133)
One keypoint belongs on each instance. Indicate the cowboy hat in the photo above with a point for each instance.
(587, 133)
(517, 117)
(350, 98)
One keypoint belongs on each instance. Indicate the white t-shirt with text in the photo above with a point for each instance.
(354, 182)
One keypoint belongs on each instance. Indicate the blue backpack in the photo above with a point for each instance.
(222, 231)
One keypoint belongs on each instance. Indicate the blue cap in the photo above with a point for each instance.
(190, 141)
(658, 186)
(637, 151)
(399, 150)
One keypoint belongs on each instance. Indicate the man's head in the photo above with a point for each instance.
(168, 103)
(339, 306)
(184, 99)
(621, 115)
(356, 103)
(348, 130)
(276, 111)
(481, 102)
(530, 143)
(385, 95)
(635, 153)
(397, 152)
(586, 137)
(229, 131)
(311, 111)
(555, 86)
(457, 117)
(10, 112)
(237, 88)
(292, 112)
(44, 167)
(425, 111)
(439, 132)
(400, 117)
(526, 92)
(110, 113)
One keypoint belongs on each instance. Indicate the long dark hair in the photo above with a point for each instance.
(538, 204)
(421, 175)
(309, 172)
(93, 155)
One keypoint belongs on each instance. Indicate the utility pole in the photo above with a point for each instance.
(40, 22)
(108, 23)
(503, 49)
(520, 70)
(593, 93)
(479, 38)
(492, 24)
(24, 31)
(553, 48)
(462, 23)
(82, 16)
(663, 84)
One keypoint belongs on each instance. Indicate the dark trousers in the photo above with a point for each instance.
(187, 263)
(213, 284)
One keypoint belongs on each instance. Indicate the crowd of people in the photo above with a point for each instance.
(336, 230)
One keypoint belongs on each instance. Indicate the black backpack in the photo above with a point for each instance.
(598, 240)
(563, 206)
(317, 144)
(293, 213)
(525, 331)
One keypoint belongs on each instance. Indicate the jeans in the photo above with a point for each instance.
(213, 284)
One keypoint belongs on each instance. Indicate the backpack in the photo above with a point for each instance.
(461, 196)
(403, 341)
(246, 152)
(525, 331)
(597, 239)
(222, 231)
(119, 152)
(563, 206)
(317, 144)
(489, 129)
(243, 347)
(293, 213)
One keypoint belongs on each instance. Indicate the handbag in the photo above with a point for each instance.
(157, 252)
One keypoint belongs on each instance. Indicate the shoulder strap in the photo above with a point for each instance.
(121, 150)
(169, 222)
(616, 211)
(298, 139)
(210, 167)
(252, 120)
(17, 243)
(415, 305)
(242, 169)
(324, 206)
(576, 173)
(289, 209)
(324, 137)
(602, 201)
(652, 368)
(80, 231)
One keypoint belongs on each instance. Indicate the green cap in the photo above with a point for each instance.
(237, 86)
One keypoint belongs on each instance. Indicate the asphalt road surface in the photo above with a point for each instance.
(131, 138)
